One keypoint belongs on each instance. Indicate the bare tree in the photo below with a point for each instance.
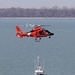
(42, 12)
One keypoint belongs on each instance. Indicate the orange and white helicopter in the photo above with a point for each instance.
(37, 32)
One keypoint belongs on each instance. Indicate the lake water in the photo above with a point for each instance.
(17, 55)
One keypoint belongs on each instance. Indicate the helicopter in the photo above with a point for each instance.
(37, 32)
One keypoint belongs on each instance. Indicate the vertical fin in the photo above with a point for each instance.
(19, 32)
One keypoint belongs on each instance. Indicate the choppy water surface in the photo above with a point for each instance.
(17, 55)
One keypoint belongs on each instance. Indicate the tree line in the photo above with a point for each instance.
(33, 12)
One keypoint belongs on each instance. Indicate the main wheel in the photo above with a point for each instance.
(49, 37)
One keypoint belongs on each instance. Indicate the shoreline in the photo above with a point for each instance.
(37, 18)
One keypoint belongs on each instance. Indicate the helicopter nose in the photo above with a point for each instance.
(51, 33)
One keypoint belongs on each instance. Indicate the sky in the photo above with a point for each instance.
(37, 3)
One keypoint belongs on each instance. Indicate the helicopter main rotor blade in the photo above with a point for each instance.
(28, 25)
(45, 25)
(32, 25)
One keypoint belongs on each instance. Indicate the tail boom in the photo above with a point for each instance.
(19, 33)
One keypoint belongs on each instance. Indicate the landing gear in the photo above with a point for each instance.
(49, 37)
(37, 39)
(40, 38)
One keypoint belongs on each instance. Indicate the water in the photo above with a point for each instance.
(17, 55)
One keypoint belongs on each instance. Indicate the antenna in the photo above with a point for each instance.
(38, 62)
(43, 64)
(34, 65)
